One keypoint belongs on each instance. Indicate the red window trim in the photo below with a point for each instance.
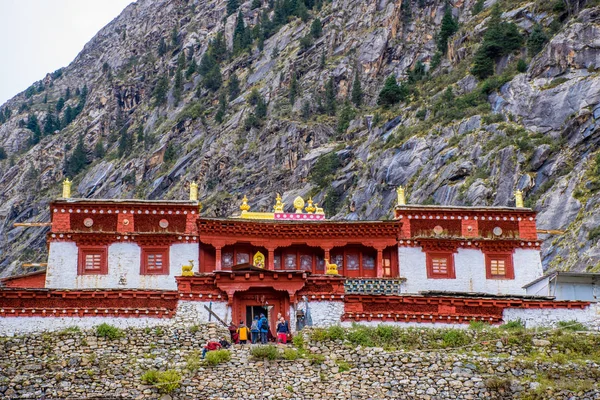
(147, 250)
(509, 267)
(83, 250)
(449, 265)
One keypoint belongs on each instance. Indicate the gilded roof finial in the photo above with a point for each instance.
(319, 210)
(278, 207)
(401, 196)
(519, 199)
(245, 207)
(310, 208)
(193, 191)
(298, 204)
(66, 188)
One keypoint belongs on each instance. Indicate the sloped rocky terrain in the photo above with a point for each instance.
(141, 112)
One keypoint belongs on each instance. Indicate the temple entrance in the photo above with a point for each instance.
(255, 311)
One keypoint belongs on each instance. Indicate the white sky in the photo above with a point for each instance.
(40, 36)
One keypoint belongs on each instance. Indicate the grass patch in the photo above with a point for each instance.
(290, 354)
(497, 384)
(572, 325)
(343, 366)
(217, 357)
(269, 352)
(108, 331)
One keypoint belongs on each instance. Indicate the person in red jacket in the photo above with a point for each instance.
(210, 346)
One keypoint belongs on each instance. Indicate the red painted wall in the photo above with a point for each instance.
(29, 281)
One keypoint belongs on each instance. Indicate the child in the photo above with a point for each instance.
(243, 333)
(211, 345)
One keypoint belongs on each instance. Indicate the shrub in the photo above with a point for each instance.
(391, 93)
(478, 325)
(168, 381)
(150, 377)
(324, 169)
(298, 341)
(572, 325)
(497, 384)
(194, 328)
(269, 352)
(193, 360)
(108, 331)
(516, 324)
(594, 233)
(216, 357)
(290, 354)
(316, 359)
(455, 338)
(343, 365)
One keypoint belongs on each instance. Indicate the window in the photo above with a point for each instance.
(155, 261)
(440, 266)
(306, 262)
(290, 261)
(227, 260)
(499, 266)
(242, 258)
(277, 261)
(387, 267)
(368, 261)
(92, 260)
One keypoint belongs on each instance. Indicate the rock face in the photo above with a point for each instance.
(541, 135)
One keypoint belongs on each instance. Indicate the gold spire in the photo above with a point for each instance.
(193, 191)
(310, 208)
(67, 188)
(278, 207)
(245, 207)
(519, 199)
(298, 204)
(401, 196)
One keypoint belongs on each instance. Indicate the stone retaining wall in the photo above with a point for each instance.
(81, 365)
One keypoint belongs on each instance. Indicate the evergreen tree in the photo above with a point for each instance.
(406, 11)
(50, 125)
(125, 143)
(218, 48)
(175, 37)
(232, 6)
(68, 94)
(316, 29)
(483, 65)
(254, 96)
(34, 126)
(212, 79)
(170, 153)
(330, 97)
(45, 98)
(2, 153)
(222, 108)
(83, 94)
(391, 93)
(160, 91)
(140, 134)
(207, 63)
(357, 93)
(60, 104)
(347, 113)
(305, 110)
(301, 11)
(78, 160)
(177, 87)
(449, 28)
(191, 69)
(322, 62)
(233, 86)
(67, 116)
(536, 41)
(261, 108)
(478, 7)
(256, 4)
(181, 61)
(242, 38)
(294, 88)
(2, 117)
(417, 73)
(162, 47)
(99, 149)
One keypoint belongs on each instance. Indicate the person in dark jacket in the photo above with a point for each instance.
(282, 331)
(263, 326)
(254, 330)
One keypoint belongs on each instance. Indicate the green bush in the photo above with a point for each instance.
(150, 377)
(218, 356)
(290, 354)
(513, 325)
(572, 325)
(324, 169)
(343, 365)
(495, 383)
(478, 325)
(455, 338)
(193, 360)
(168, 381)
(108, 331)
(594, 234)
(298, 341)
(268, 351)
(316, 359)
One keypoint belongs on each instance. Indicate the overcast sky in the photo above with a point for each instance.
(40, 36)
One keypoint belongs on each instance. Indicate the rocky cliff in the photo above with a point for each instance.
(173, 91)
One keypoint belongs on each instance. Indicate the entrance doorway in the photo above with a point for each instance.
(252, 311)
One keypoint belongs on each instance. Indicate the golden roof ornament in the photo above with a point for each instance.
(278, 207)
(187, 270)
(193, 191)
(245, 207)
(401, 196)
(519, 199)
(310, 208)
(298, 204)
(330, 269)
(319, 210)
(66, 188)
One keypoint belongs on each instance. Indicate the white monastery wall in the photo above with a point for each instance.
(124, 263)
(469, 267)
(532, 318)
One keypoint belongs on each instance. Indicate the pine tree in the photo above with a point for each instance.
(99, 149)
(261, 108)
(330, 97)
(241, 35)
(218, 48)
(305, 110)
(2, 153)
(233, 86)
(316, 29)
(78, 160)
(256, 4)
(34, 126)
(140, 134)
(45, 98)
(175, 37)
(347, 113)
(478, 7)
(191, 69)
(536, 41)
(212, 79)
(483, 65)
(391, 93)
(181, 61)
(449, 28)
(294, 88)
(177, 87)
(322, 62)
(357, 93)
(160, 91)
(49, 124)
(170, 153)
(222, 108)
(125, 143)
(232, 6)
(60, 104)
(68, 94)
(162, 47)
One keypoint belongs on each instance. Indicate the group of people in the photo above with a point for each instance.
(259, 331)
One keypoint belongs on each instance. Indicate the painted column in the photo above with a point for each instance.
(271, 258)
(327, 256)
(379, 262)
(218, 258)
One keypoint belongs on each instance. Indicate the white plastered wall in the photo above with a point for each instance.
(469, 266)
(548, 317)
(124, 260)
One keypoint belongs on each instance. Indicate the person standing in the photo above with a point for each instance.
(254, 331)
(263, 326)
(282, 331)
(243, 333)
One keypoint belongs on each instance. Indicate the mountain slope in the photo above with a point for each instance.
(140, 122)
